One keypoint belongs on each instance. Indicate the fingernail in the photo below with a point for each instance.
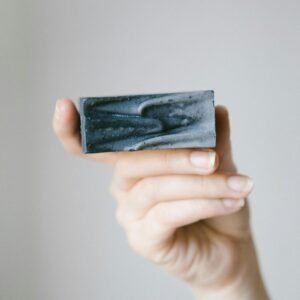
(232, 203)
(203, 159)
(240, 183)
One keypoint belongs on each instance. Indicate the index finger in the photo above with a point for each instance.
(136, 165)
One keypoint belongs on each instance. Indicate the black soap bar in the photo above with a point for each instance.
(148, 121)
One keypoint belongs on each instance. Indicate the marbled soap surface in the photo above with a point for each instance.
(149, 121)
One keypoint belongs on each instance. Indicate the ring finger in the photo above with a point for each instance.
(150, 191)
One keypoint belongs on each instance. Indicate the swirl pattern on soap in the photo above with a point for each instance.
(154, 121)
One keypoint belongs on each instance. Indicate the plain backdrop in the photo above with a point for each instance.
(58, 236)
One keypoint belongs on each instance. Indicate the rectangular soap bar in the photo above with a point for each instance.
(148, 121)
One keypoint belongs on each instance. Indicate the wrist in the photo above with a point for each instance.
(252, 289)
(247, 284)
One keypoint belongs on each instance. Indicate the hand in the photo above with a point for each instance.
(183, 209)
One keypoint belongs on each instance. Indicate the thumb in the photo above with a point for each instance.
(223, 147)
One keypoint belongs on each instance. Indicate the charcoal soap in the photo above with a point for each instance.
(148, 121)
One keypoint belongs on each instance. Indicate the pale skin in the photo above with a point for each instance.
(183, 209)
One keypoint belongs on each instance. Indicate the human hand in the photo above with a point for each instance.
(183, 209)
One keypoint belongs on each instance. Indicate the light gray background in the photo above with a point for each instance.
(58, 236)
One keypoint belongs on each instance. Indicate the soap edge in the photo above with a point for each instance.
(146, 94)
(215, 119)
(81, 102)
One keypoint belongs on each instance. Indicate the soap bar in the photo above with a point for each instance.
(148, 121)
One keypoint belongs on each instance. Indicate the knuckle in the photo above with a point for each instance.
(146, 189)
(161, 215)
(143, 193)
(158, 214)
(169, 161)
(115, 191)
(176, 160)
(135, 241)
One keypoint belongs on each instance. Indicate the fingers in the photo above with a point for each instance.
(163, 162)
(152, 191)
(175, 214)
(66, 125)
(154, 232)
(158, 225)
